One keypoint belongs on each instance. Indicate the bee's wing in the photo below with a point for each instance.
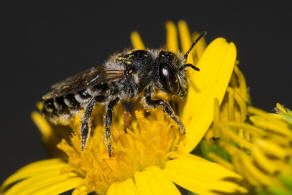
(90, 77)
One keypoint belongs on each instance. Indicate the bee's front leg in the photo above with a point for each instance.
(166, 107)
(108, 122)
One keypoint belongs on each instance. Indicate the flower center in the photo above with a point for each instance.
(138, 140)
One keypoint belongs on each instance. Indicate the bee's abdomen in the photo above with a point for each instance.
(67, 105)
(63, 105)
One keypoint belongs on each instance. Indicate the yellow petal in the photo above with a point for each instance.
(153, 181)
(59, 187)
(43, 126)
(216, 66)
(120, 188)
(171, 37)
(32, 169)
(186, 40)
(42, 182)
(137, 41)
(201, 176)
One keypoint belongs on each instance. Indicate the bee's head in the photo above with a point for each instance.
(171, 76)
(168, 76)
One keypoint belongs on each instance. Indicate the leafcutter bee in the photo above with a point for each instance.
(123, 76)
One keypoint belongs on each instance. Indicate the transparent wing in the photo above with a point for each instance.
(88, 78)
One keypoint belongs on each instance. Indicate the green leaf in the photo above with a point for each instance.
(286, 179)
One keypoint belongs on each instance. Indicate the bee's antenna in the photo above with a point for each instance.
(194, 43)
(188, 52)
(189, 65)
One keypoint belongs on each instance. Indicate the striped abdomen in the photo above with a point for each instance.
(70, 104)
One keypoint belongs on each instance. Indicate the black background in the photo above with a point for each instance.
(44, 43)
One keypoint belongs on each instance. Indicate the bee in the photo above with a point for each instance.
(123, 76)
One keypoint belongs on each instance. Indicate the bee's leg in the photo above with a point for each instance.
(108, 122)
(85, 119)
(167, 108)
(128, 114)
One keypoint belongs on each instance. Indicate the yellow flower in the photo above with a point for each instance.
(150, 154)
(258, 144)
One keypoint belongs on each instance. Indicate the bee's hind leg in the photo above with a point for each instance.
(108, 122)
(85, 130)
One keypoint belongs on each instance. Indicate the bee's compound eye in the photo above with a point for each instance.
(168, 79)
